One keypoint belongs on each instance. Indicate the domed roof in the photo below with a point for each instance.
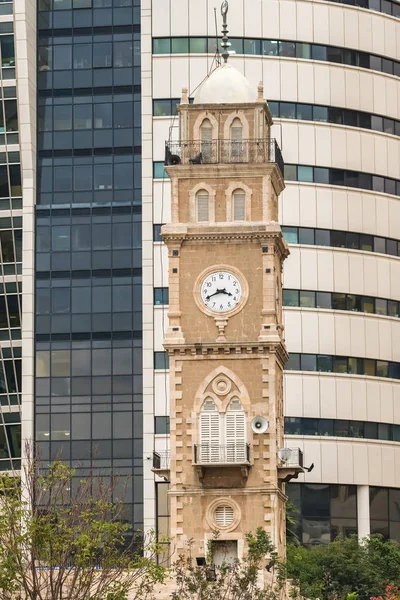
(225, 85)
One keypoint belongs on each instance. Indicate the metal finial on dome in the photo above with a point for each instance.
(225, 41)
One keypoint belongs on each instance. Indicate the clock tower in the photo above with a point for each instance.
(225, 336)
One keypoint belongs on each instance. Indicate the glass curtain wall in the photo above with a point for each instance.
(88, 404)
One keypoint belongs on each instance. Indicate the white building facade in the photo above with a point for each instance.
(331, 75)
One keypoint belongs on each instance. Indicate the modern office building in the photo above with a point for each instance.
(331, 76)
(89, 91)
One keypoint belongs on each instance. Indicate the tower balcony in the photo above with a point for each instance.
(198, 152)
(215, 456)
(212, 455)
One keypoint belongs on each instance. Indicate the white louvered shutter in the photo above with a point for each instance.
(210, 435)
(202, 207)
(239, 206)
(224, 516)
(235, 437)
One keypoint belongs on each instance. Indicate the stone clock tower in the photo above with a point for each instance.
(225, 336)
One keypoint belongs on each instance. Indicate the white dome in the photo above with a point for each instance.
(225, 85)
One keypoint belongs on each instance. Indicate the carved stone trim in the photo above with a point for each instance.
(237, 185)
(210, 514)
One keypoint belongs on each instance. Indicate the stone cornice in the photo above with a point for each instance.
(232, 349)
(263, 234)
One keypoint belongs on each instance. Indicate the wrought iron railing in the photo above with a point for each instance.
(161, 461)
(212, 454)
(223, 151)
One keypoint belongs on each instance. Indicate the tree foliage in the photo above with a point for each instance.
(237, 580)
(344, 567)
(62, 537)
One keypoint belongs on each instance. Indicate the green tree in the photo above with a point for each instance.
(237, 580)
(63, 537)
(343, 567)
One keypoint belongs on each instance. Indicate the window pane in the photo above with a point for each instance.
(382, 368)
(82, 56)
(324, 300)
(180, 45)
(287, 110)
(325, 427)
(270, 47)
(321, 175)
(123, 54)
(320, 113)
(380, 245)
(324, 363)
(293, 363)
(308, 362)
(161, 46)
(198, 45)
(292, 426)
(305, 174)
(307, 299)
(103, 116)
(381, 306)
(62, 57)
(367, 304)
(379, 503)
(290, 172)
(339, 364)
(161, 360)
(393, 308)
(290, 234)
(252, 47)
(306, 236)
(290, 298)
(102, 55)
(338, 239)
(366, 242)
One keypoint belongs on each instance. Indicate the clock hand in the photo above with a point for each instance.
(223, 291)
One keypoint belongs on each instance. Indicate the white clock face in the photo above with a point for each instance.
(221, 291)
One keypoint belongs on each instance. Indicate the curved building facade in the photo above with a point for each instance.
(331, 75)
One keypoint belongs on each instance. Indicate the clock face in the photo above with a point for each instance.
(221, 291)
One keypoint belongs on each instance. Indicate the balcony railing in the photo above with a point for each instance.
(161, 461)
(231, 454)
(295, 458)
(223, 151)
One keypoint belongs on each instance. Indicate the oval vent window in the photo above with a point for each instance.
(224, 516)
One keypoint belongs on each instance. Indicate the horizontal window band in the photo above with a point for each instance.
(42, 212)
(97, 91)
(327, 363)
(325, 175)
(279, 48)
(342, 177)
(386, 7)
(86, 274)
(89, 335)
(342, 428)
(165, 107)
(340, 301)
(341, 239)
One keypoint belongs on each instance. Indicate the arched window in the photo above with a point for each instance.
(239, 205)
(202, 206)
(236, 139)
(222, 436)
(206, 136)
